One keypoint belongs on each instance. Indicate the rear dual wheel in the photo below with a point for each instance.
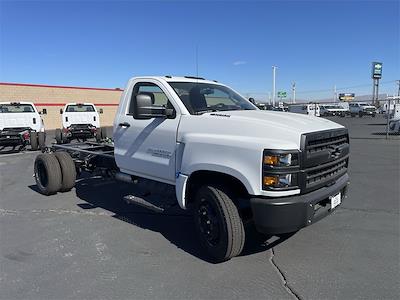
(54, 172)
(34, 140)
(59, 136)
(101, 134)
(37, 140)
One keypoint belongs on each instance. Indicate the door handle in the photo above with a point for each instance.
(125, 124)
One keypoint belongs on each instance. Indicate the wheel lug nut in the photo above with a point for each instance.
(208, 222)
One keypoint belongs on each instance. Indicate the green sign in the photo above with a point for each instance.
(376, 70)
(282, 94)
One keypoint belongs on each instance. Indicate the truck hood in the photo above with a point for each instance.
(268, 129)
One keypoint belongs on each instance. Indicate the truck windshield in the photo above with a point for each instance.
(80, 108)
(16, 108)
(200, 98)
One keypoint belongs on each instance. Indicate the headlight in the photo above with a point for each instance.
(283, 159)
(279, 170)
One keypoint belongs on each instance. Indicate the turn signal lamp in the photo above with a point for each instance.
(271, 160)
(270, 180)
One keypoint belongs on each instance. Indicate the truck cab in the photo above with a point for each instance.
(203, 145)
(229, 161)
(79, 121)
(21, 125)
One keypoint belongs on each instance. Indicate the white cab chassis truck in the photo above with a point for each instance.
(80, 121)
(224, 159)
(21, 125)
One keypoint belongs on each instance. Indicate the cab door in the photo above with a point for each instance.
(147, 147)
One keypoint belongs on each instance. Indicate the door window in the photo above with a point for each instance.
(158, 97)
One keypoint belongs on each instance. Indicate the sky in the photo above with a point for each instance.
(317, 44)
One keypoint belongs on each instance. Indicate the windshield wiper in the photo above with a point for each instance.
(200, 112)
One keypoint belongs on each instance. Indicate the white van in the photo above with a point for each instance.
(21, 125)
(307, 109)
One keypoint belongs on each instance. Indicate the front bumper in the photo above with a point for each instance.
(289, 214)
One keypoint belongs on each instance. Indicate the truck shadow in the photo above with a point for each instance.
(174, 224)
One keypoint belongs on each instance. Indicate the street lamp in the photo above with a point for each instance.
(273, 84)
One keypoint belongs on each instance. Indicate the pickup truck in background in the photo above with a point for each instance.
(80, 121)
(333, 110)
(361, 109)
(225, 160)
(21, 125)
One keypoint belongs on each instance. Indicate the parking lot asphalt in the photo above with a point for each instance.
(89, 244)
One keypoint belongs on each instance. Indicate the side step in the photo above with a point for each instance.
(130, 199)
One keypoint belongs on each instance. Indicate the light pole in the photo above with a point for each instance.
(334, 94)
(294, 92)
(273, 84)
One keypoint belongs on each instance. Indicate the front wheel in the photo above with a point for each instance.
(218, 223)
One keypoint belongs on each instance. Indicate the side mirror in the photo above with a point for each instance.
(100, 110)
(252, 101)
(44, 111)
(144, 109)
(61, 111)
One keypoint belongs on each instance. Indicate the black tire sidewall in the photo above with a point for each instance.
(59, 138)
(34, 140)
(223, 250)
(219, 251)
(41, 139)
(53, 173)
(68, 170)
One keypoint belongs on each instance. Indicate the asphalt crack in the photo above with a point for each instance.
(282, 276)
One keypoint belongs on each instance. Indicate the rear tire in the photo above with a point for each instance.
(34, 140)
(103, 132)
(47, 174)
(360, 114)
(218, 223)
(42, 139)
(98, 135)
(59, 138)
(68, 170)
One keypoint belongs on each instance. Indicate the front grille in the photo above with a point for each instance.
(324, 158)
(321, 144)
(325, 173)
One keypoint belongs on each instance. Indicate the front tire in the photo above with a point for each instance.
(218, 223)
